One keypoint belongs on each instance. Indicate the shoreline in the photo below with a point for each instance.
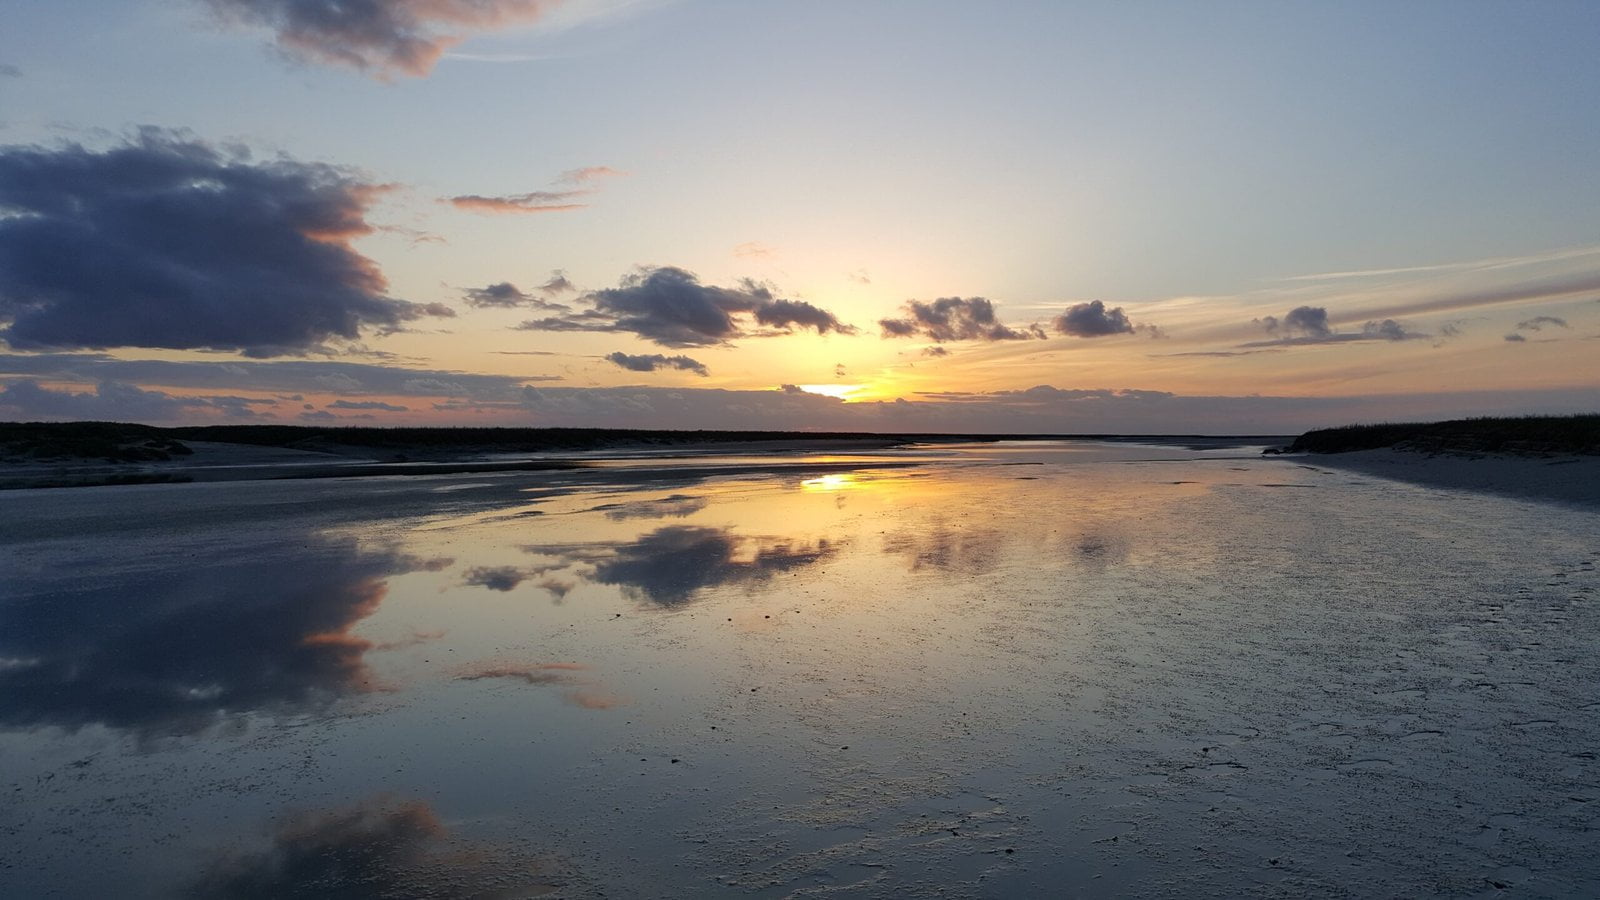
(1566, 478)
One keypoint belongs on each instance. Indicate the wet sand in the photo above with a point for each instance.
(1564, 479)
(981, 671)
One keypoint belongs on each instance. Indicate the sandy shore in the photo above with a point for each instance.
(1567, 479)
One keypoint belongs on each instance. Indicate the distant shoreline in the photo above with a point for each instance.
(1528, 457)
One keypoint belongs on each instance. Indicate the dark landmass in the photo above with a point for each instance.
(85, 454)
(1524, 436)
(122, 442)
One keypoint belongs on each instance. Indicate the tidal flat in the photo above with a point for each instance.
(986, 670)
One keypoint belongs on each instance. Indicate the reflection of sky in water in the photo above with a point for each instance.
(877, 680)
(173, 645)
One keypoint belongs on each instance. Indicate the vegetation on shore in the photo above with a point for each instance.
(1525, 435)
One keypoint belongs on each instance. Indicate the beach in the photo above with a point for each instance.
(1562, 478)
(974, 670)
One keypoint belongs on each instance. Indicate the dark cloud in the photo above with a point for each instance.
(290, 376)
(114, 401)
(1092, 319)
(380, 37)
(266, 631)
(1310, 325)
(935, 351)
(1516, 338)
(9, 71)
(1039, 410)
(1537, 323)
(531, 202)
(954, 319)
(788, 314)
(670, 307)
(385, 848)
(166, 242)
(506, 295)
(656, 361)
(670, 565)
(367, 404)
(839, 370)
(1302, 321)
(556, 284)
(1387, 330)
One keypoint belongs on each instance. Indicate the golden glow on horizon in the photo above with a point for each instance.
(845, 392)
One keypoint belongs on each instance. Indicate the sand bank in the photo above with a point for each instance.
(1567, 479)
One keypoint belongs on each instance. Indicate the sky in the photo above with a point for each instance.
(865, 215)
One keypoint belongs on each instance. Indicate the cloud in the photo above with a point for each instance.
(506, 295)
(383, 38)
(381, 848)
(1310, 325)
(954, 319)
(935, 351)
(754, 250)
(657, 361)
(1043, 409)
(1092, 319)
(556, 284)
(288, 376)
(367, 404)
(116, 401)
(531, 202)
(9, 71)
(576, 183)
(588, 174)
(166, 242)
(1537, 323)
(270, 631)
(1304, 321)
(670, 307)
(1516, 338)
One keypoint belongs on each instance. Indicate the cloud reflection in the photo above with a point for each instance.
(670, 565)
(381, 849)
(175, 648)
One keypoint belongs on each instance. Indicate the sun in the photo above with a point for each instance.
(836, 391)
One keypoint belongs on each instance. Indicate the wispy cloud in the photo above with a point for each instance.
(577, 184)
(382, 38)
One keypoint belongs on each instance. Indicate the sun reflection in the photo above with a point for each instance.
(835, 482)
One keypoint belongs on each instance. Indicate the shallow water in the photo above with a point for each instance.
(962, 671)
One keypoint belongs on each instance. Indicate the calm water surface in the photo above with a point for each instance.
(982, 671)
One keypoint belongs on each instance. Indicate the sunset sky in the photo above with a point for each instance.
(887, 215)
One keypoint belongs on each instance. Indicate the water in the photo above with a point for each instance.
(989, 670)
